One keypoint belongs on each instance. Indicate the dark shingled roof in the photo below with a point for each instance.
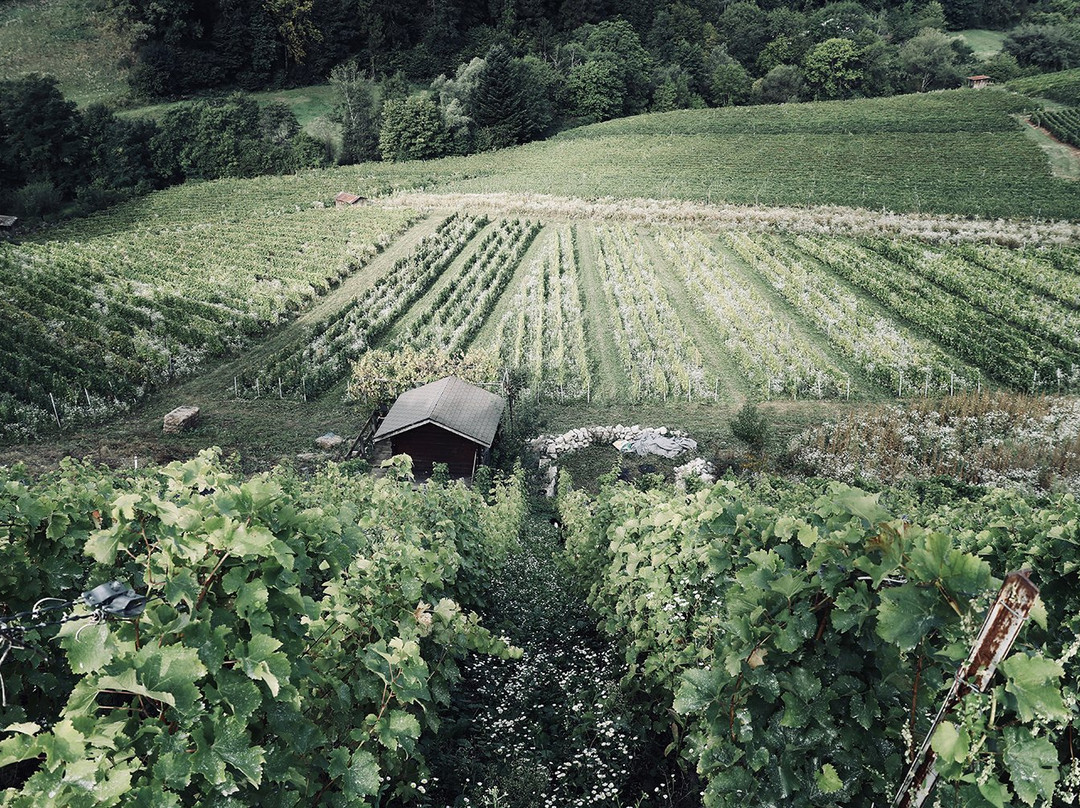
(451, 403)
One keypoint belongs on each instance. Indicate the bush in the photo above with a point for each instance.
(37, 199)
(749, 426)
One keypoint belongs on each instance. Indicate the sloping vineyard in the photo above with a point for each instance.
(775, 361)
(453, 317)
(654, 348)
(1064, 124)
(90, 325)
(320, 360)
(883, 349)
(544, 330)
(1005, 352)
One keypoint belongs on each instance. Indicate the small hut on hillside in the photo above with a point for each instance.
(978, 82)
(347, 200)
(449, 421)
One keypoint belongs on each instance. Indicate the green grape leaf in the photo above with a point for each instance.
(1033, 682)
(232, 744)
(906, 614)
(127, 682)
(1033, 765)
(252, 599)
(262, 662)
(89, 648)
(1038, 612)
(123, 507)
(24, 728)
(398, 728)
(828, 780)
(182, 587)
(951, 744)
(995, 793)
(858, 503)
(698, 689)
(102, 544)
(362, 777)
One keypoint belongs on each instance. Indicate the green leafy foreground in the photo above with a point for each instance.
(806, 634)
(301, 635)
(788, 642)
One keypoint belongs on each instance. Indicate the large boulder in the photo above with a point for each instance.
(181, 419)
(329, 441)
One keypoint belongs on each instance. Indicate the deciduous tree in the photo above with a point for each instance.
(413, 129)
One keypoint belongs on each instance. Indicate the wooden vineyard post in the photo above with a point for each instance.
(1002, 625)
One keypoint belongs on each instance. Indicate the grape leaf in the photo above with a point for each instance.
(1033, 765)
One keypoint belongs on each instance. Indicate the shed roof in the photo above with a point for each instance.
(8, 221)
(346, 198)
(451, 403)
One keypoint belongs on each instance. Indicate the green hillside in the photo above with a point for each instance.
(955, 152)
(68, 39)
(1063, 87)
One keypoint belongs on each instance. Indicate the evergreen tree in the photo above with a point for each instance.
(496, 104)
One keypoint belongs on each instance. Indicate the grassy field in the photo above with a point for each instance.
(984, 42)
(955, 152)
(68, 39)
(311, 105)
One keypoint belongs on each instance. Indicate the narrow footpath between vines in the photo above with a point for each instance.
(553, 729)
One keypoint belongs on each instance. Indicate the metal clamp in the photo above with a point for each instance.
(115, 598)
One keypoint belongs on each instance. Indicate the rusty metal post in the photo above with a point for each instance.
(999, 632)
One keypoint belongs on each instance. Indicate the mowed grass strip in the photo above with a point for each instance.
(601, 320)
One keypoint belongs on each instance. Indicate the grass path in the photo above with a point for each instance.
(1064, 159)
(611, 382)
(550, 729)
(262, 431)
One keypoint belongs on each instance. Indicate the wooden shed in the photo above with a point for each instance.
(449, 421)
(978, 82)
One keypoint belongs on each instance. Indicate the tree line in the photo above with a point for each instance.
(58, 159)
(189, 46)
